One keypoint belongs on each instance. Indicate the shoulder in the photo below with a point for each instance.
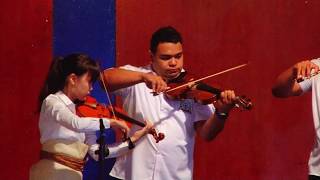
(145, 69)
(50, 100)
(48, 103)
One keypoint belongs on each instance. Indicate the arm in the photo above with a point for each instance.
(64, 116)
(286, 84)
(117, 78)
(118, 149)
(210, 128)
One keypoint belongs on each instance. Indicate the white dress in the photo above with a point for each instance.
(62, 132)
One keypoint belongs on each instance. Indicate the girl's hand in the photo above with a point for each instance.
(140, 133)
(119, 124)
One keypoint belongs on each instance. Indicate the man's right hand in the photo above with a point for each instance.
(154, 82)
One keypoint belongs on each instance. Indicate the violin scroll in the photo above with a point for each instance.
(243, 102)
(158, 137)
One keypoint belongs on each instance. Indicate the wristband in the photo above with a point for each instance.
(130, 143)
(222, 115)
(106, 151)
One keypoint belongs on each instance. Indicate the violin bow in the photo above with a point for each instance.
(108, 96)
(207, 77)
(153, 133)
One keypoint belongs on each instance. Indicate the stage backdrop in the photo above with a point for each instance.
(25, 50)
(270, 142)
(273, 140)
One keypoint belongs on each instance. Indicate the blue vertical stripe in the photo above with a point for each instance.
(87, 26)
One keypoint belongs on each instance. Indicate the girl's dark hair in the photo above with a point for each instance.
(164, 34)
(62, 67)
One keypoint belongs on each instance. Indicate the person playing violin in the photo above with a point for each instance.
(62, 132)
(179, 120)
(295, 81)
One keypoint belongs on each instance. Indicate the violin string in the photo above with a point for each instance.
(108, 96)
(206, 77)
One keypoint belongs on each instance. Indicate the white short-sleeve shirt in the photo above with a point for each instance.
(313, 84)
(171, 158)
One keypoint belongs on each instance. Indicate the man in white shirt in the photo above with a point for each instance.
(296, 80)
(179, 120)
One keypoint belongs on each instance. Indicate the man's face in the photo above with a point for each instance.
(168, 60)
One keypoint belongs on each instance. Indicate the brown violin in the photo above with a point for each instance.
(91, 108)
(186, 87)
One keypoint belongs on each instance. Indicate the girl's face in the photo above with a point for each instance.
(80, 87)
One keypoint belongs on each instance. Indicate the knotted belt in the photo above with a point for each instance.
(71, 162)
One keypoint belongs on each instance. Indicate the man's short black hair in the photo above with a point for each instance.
(164, 34)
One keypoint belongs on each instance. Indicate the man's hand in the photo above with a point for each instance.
(226, 101)
(154, 82)
(304, 69)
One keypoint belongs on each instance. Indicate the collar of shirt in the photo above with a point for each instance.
(66, 100)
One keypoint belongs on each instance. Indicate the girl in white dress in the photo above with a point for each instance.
(62, 132)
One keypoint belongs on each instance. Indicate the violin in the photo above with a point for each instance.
(91, 108)
(186, 87)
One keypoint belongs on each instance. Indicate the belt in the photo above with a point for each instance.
(73, 163)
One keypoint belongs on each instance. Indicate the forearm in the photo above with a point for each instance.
(286, 85)
(68, 119)
(117, 78)
(115, 150)
(211, 128)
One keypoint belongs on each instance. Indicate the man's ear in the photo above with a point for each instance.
(151, 55)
